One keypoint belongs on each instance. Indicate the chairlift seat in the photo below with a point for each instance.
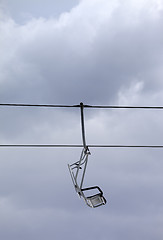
(94, 197)
(95, 200)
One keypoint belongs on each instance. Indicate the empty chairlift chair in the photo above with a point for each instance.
(93, 196)
(77, 170)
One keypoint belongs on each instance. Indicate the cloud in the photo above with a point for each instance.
(107, 51)
(100, 52)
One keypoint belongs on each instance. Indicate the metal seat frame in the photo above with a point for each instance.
(77, 172)
(95, 200)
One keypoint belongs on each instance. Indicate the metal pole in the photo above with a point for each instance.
(82, 125)
(86, 161)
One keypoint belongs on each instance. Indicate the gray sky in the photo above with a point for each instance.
(65, 52)
(22, 10)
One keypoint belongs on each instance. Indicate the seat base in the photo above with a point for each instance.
(95, 200)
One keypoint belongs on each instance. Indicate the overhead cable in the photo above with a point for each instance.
(36, 105)
(76, 146)
(78, 106)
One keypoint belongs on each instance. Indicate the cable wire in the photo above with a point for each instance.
(75, 146)
(37, 105)
(72, 145)
(78, 106)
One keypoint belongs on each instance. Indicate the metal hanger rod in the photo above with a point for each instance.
(82, 124)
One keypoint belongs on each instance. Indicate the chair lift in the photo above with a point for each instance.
(77, 172)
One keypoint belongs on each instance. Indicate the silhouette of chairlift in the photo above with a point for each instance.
(94, 197)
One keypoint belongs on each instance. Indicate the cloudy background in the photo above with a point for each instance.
(64, 52)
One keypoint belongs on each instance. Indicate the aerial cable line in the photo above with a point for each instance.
(81, 106)
(36, 105)
(78, 106)
(76, 146)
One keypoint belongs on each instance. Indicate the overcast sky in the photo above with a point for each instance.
(64, 52)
